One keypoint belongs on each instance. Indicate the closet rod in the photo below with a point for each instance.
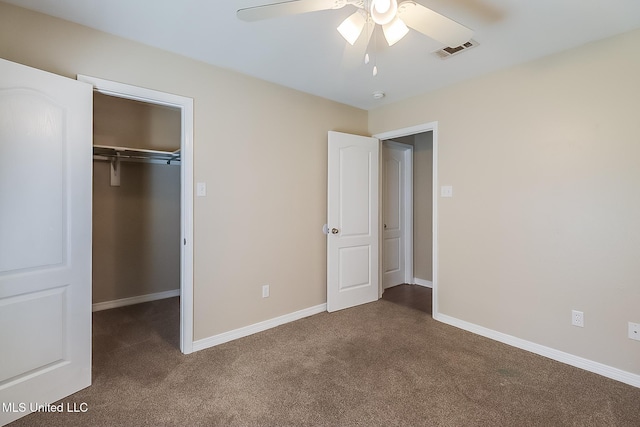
(106, 152)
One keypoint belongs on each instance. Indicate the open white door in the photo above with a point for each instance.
(393, 255)
(45, 238)
(397, 214)
(352, 239)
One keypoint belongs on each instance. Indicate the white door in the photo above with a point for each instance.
(396, 213)
(352, 240)
(45, 238)
(392, 217)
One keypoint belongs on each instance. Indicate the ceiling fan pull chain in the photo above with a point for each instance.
(375, 52)
(366, 53)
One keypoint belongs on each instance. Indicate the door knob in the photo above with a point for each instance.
(334, 231)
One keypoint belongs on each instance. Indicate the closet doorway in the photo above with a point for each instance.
(422, 268)
(143, 198)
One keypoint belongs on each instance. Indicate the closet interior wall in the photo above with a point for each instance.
(136, 226)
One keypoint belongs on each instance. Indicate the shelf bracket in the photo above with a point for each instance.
(115, 171)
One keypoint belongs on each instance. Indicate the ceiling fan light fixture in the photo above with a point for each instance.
(382, 5)
(394, 31)
(383, 11)
(351, 28)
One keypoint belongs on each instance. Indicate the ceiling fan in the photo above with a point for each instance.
(393, 17)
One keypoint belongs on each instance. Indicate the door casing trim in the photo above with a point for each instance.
(412, 130)
(185, 105)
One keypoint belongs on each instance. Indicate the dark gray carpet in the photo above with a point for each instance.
(380, 364)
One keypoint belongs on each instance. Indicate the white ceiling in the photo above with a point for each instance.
(305, 52)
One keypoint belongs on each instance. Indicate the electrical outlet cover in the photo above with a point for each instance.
(577, 318)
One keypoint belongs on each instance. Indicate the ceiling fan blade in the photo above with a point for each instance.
(285, 8)
(433, 25)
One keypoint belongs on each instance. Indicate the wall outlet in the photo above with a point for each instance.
(577, 318)
(265, 291)
(634, 331)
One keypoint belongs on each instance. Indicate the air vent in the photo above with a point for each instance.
(448, 52)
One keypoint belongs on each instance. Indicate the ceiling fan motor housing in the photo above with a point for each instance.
(383, 11)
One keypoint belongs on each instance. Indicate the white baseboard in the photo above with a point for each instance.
(422, 282)
(257, 327)
(551, 353)
(134, 300)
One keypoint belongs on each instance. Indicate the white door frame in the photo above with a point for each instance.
(408, 211)
(185, 105)
(412, 130)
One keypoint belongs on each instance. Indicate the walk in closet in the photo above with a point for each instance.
(136, 202)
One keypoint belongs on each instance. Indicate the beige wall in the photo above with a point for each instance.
(136, 226)
(544, 159)
(260, 148)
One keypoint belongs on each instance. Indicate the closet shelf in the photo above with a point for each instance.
(108, 152)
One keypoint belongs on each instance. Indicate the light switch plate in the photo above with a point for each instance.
(201, 189)
(446, 191)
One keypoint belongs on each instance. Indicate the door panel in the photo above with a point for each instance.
(45, 237)
(352, 246)
(392, 250)
(33, 314)
(355, 172)
(40, 149)
(355, 277)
